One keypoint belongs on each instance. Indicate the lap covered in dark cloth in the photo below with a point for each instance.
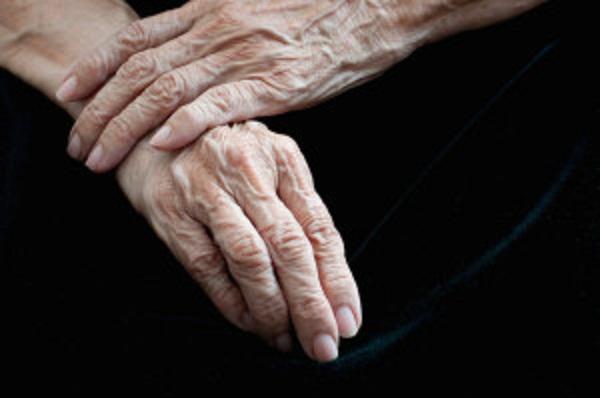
(466, 185)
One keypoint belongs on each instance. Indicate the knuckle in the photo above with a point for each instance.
(323, 234)
(213, 66)
(271, 313)
(260, 131)
(236, 99)
(96, 115)
(133, 37)
(285, 85)
(180, 173)
(255, 91)
(93, 65)
(311, 306)
(238, 155)
(224, 15)
(287, 240)
(217, 136)
(206, 265)
(121, 133)
(192, 184)
(288, 145)
(340, 282)
(226, 296)
(168, 90)
(139, 67)
(223, 98)
(256, 126)
(246, 250)
(207, 269)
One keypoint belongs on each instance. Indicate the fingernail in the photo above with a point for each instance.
(161, 136)
(67, 89)
(284, 342)
(346, 322)
(95, 158)
(325, 348)
(74, 147)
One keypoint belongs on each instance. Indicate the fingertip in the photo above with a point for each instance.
(359, 314)
(74, 147)
(67, 91)
(161, 139)
(325, 348)
(168, 138)
(98, 161)
(347, 322)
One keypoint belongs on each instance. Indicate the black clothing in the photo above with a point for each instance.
(466, 188)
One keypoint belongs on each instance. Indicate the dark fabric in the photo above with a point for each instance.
(466, 185)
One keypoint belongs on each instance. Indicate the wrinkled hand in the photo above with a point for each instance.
(289, 264)
(276, 253)
(212, 62)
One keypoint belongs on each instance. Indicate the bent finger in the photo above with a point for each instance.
(296, 189)
(297, 272)
(293, 259)
(135, 75)
(250, 265)
(86, 74)
(221, 104)
(159, 100)
(200, 257)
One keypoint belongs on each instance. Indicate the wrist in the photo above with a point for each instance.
(133, 172)
(368, 37)
(37, 46)
(40, 39)
(388, 31)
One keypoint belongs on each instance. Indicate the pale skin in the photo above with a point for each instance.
(202, 66)
(275, 262)
(212, 62)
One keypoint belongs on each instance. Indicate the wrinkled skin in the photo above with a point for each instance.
(276, 252)
(253, 181)
(212, 62)
(272, 251)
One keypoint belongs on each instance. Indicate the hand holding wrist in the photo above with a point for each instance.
(40, 39)
(38, 47)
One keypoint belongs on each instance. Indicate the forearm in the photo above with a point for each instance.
(441, 18)
(39, 39)
(37, 46)
(386, 31)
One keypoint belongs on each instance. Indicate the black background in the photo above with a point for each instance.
(96, 302)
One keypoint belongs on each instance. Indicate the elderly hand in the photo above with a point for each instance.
(276, 253)
(212, 62)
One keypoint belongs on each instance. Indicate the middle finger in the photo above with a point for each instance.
(293, 259)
